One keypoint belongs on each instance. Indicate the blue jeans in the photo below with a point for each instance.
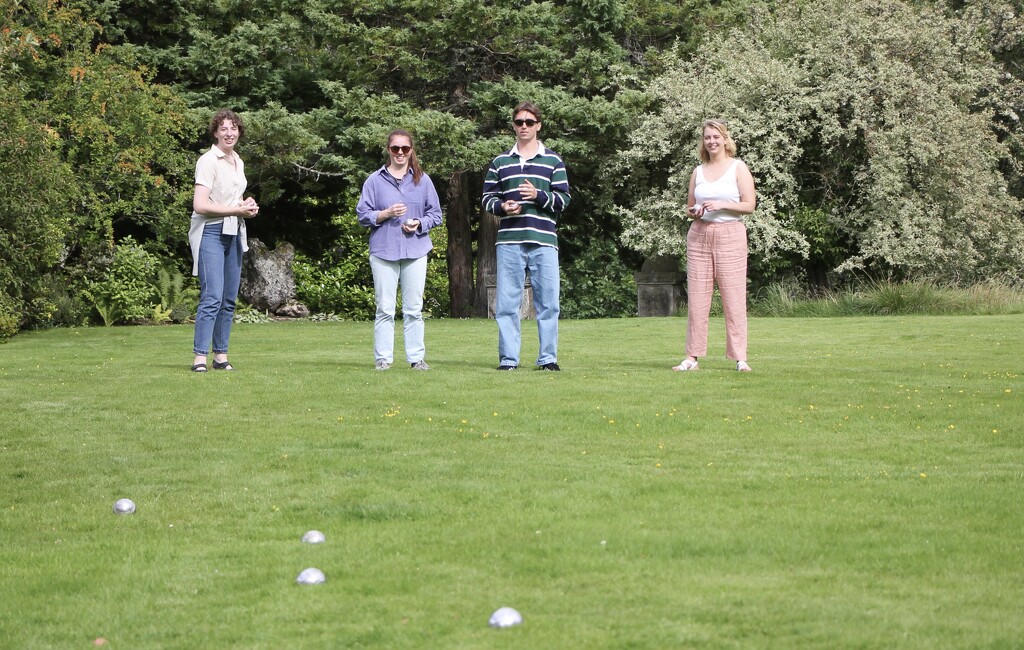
(412, 275)
(220, 272)
(512, 262)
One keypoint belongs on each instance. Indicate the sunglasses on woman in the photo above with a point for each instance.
(395, 149)
(526, 122)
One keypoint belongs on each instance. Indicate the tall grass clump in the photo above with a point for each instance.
(889, 298)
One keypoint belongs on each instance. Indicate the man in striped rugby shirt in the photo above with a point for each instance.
(527, 187)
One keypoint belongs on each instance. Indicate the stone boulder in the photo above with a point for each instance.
(267, 280)
(659, 287)
(293, 309)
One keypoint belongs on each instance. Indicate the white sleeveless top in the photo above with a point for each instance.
(724, 189)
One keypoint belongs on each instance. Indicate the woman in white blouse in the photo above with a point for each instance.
(721, 193)
(217, 238)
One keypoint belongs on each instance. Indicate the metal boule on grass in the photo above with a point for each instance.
(505, 617)
(311, 576)
(124, 507)
(314, 537)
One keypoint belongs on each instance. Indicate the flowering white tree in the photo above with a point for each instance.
(890, 120)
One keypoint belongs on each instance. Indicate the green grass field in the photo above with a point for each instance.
(862, 488)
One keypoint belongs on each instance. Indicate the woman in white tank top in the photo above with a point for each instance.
(721, 193)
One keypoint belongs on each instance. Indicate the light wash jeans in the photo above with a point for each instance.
(220, 272)
(412, 275)
(512, 262)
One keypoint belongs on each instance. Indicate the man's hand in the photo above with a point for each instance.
(528, 191)
(511, 207)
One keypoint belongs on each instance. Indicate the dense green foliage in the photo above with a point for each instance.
(875, 131)
(90, 150)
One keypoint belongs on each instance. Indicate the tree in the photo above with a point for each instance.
(37, 193)
(347, 71)
(879, 114)
(90, 150)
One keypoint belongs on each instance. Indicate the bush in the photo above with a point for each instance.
(872, 130)
(10, 316)
(597, 284)
(179, 295)
(342, 283)
(128, 293)
(58, 301)
(436, 299)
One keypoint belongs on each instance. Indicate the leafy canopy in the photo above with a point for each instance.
(881, 113)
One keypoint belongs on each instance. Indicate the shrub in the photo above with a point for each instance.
(179, 295)
(342, 283)
(128, 292)
(597, 284)
(58, 301)
(436, 299)
(10, 316)
(886, 114)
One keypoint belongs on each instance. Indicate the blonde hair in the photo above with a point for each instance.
(721, 127)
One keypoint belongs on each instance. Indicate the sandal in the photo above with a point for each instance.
(199, 367)
(743, 367)
(223, 365)
(685, 365)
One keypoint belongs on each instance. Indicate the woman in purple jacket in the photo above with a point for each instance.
(399, 205)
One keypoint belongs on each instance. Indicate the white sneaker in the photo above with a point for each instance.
(743, 367)
(383, 365)
(420, 365)
(685, 365)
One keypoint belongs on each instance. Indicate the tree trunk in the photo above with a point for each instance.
(460, 248)
(486, 260)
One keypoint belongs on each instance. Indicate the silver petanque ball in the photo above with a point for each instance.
(311, 576)
(314, 537)
(505, 617)
(124, 507)
(408, 222)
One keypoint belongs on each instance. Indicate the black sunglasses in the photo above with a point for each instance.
(526, 122)
(403, 149)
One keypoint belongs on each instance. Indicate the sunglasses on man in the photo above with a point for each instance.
(529, 123)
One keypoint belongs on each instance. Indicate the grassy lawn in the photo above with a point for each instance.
(863, 487)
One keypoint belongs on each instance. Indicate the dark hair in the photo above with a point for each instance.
(529, 107)
(414, 162)
(225, 115)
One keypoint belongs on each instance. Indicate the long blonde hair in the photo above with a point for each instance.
(721, 127)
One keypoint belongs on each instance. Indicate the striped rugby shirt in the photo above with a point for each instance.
(535, 224)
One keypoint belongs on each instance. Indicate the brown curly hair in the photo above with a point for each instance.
(225, 114)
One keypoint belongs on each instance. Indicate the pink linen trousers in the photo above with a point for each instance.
(716, 252)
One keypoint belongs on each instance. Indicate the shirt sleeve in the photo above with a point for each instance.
(492, 191)
(558, 197)
(431, 207)
(366, 209)
(206, 171)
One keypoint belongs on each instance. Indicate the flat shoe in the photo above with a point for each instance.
(743, 367)
(222, 365)
(686, 365)
(199, 367)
